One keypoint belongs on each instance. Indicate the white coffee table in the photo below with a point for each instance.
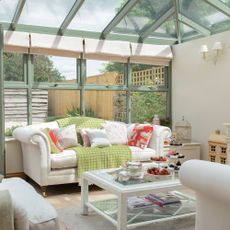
(116, 210)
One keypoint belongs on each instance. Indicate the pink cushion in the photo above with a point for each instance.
(85, 138)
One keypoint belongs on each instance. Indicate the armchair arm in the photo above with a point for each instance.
(6, 211)
(160, 133)
(207, 178)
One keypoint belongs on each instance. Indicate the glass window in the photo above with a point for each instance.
(95, 15)
(227, 2)
(45, 13)
(108, 105)
(15, 101)
(148, 75)
(55, 69)
(7, 10)
(167, 28)
(13, 67)
(104, 73)
(62, 103)
(142, 15)
(202, 13)
(145, 104)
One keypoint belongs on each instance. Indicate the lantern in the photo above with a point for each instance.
(183, 130)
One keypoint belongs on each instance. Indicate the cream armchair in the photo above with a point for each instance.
(22, 208)
(211, 182)
(50, 169)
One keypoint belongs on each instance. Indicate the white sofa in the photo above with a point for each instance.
(50, 169)
(211, 183)
(22, 208)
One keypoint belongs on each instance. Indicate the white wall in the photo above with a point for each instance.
(200, 88)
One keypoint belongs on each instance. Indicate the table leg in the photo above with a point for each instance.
(84, 196)
(122, 212)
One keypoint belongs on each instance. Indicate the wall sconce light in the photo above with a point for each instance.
(213, 54)
(204, 50)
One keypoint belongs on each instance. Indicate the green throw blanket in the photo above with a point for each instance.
(89, 158)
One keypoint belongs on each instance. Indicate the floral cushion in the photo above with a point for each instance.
(141, 135)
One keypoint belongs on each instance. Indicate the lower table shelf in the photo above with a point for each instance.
(146, 215)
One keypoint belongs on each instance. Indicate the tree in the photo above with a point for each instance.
(13, 66)
(145, 105)
(44, 70)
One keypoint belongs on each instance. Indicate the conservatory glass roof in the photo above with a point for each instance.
(147, 21)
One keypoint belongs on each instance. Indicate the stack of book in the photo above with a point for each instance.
(138, 202)
(162, 199)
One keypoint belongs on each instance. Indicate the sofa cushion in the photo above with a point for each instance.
(116, 132)
(53, 147)
(141, 135)
(67, 136)
(66, 159)
(139, 154)
(98, 138)
(85, 138)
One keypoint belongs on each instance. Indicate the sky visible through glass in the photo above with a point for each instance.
(67, 66)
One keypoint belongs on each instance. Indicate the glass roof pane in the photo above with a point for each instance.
(45, 13)
(7, 9)
(95, 15)
(202, 13)
(186, 29)
(167, 27)
(227, 2)
(144, 13)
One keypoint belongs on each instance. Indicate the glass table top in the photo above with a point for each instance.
(110, 176)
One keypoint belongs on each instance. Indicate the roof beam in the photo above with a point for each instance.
(77, 5)
(17, 14)
(118, 17)
(154, 39)
(194, 25)
(220, 6)
(157, 24)
(177, 22)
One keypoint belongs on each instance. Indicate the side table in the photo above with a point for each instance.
(189, 150)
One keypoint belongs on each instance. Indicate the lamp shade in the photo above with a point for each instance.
(204, 49)
(217, 46)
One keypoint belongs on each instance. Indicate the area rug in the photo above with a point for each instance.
(72, 219)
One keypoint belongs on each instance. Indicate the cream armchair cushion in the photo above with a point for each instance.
(211, 182)
(31, 210)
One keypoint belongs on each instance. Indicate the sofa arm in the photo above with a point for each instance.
(6, 211)
(31, 136)
(207, 178)
(160, 133)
